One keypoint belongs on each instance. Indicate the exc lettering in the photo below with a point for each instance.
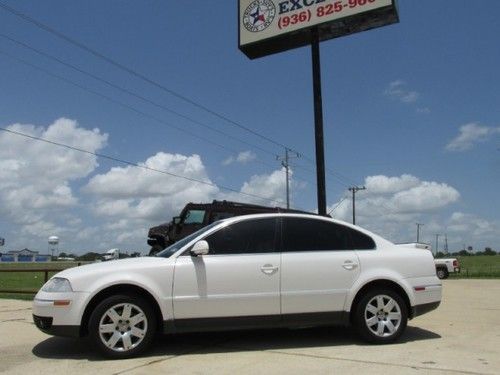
(293, 5)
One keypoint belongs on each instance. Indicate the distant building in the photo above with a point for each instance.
(25, 255)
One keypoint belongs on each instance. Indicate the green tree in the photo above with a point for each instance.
(489, 251)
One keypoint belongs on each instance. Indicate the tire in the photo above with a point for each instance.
(442, 273)
(380, 316)
(122, 326)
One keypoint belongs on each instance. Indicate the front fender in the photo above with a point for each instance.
(161, 292)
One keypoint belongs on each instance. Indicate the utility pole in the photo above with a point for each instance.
(285, 163)
(354, 190)
(437, 242)
(418, 231)
(445, 243)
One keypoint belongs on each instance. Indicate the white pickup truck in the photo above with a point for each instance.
(446, 266)
(443, 266)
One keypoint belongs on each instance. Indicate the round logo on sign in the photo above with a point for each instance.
(259, 15)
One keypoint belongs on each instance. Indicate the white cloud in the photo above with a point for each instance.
(130, 200)
(390, 205)
(469, 135)
(137, 193)
(398, 90)
(36, 177)
(381, 184)
(243, 158)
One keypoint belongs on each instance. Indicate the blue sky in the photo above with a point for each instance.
(411, 110)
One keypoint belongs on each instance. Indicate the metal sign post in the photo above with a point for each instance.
(318, 122)
(273, 26)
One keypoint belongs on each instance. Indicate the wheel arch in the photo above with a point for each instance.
(381, 284)
(127, 289)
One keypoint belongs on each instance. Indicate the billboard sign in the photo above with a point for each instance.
(271, 26)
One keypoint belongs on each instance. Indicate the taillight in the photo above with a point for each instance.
(455, 263)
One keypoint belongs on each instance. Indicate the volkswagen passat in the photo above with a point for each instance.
(267, 270)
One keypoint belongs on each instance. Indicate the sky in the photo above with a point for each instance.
(411, 112)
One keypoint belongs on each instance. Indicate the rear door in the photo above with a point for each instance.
(319, 265)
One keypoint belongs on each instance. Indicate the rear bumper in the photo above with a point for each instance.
(424, 308)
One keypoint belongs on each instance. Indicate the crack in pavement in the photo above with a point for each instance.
(12, 320)
(6, 311)
(172, 356)
(379, 363)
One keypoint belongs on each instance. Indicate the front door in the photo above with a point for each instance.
(239, 277)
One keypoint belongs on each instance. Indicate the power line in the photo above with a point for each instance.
(338, 204)
(143, 77)
(123, 161)
(131, 71)
(132, 93)
(227, 149)
(142, 113)
(45, 71)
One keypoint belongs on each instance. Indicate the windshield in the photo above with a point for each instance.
(194, 217)
(169, 251)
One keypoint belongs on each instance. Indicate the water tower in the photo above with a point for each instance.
(53, 242)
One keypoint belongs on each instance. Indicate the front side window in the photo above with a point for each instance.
(194, 217)
(244, 237)
(221, 215)
(172, 249)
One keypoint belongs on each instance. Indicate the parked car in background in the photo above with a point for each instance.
(253, 271)
(443, 266)
(446, 266)
(195, 216)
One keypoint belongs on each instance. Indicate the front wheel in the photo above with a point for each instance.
(381, 316)
(122, 326)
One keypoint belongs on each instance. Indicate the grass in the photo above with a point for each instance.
(479, 266)
(482, 266)
(27, 281)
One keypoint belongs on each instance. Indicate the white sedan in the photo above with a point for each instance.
(255, 271)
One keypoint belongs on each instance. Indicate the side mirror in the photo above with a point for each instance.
(200, 248)
(177, 220)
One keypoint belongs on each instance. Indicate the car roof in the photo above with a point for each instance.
(311, 216)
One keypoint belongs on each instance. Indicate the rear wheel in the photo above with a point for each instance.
(442, 273)
(122, 326)
(381, 316)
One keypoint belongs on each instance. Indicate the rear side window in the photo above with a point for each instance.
(361, 241)
(301, 234)
(244, 237)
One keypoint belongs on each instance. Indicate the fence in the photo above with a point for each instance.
(26, 284)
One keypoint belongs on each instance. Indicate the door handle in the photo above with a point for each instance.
(269, 269)
(349, 265)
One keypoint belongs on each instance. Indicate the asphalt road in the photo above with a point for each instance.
(461, 337)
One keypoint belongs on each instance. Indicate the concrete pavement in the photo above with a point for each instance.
(461, 337)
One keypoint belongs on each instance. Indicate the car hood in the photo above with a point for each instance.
(89, 272)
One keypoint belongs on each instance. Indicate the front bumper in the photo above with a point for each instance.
(59, 314)
(45, 325)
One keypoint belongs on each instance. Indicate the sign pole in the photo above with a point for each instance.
(318, 122)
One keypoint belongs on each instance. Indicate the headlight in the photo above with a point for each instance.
(57, 285)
